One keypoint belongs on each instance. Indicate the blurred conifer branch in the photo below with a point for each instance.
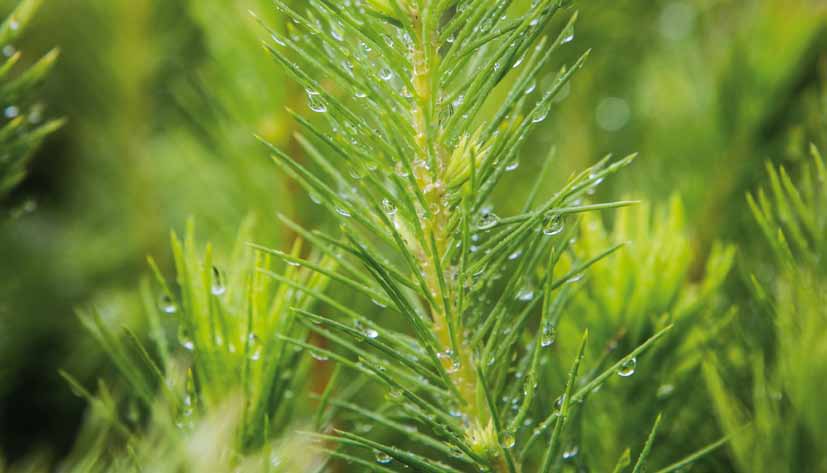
(23, 127)
(776, 428)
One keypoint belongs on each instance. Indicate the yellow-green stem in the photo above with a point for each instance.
(464, 376)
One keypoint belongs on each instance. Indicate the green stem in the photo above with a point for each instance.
(435, 223)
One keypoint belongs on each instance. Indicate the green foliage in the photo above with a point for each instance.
(415, 142)
(626, 298)
(228, 362)
(23, 129)
(778, 427)
(426, 106)
(413, 327)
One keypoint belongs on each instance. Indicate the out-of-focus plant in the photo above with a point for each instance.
(625, 298)
(206, 446)
(703, 97)
(23, 128)
(153, 137)
(227, 382)
(778, 426)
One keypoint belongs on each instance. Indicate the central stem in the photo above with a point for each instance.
(429, 168)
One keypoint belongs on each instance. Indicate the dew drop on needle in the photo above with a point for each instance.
(382, 457)
(218, 288)
(627, 368)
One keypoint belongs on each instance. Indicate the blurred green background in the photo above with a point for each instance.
(163, 99)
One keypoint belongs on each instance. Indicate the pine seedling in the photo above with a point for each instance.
(419, 108)
(650, 282)
(227, 372)
(624, 299)
(778, 428)
(23, 128)
(162, 446)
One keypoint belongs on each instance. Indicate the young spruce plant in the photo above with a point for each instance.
(421, 106)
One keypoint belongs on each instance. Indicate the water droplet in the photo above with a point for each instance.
(218, 287)
(184, 338)
(253, 347)
(335, 33)
(167, 304)
(515, 255)
(315, 102)
(371, 333)
(568, 35)
(541, 113)
(508, 440)
(519, 61)
(11, 111)
(342, 212)
(554, 225)
(558, 403)
(548, 337)
(422, 166)
(9, 50)
(379, 304)
(318, 356)
(401, 170)
(385, 73)
(453, 361)
(628, 368)
(382, 457)
(512, 166)
(526, 294)
(571, 452)
(487, 220)
(388, 207)
(14, 24)
(355, 173)
(458, 101)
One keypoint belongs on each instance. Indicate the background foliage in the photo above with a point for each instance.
(163, 100)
